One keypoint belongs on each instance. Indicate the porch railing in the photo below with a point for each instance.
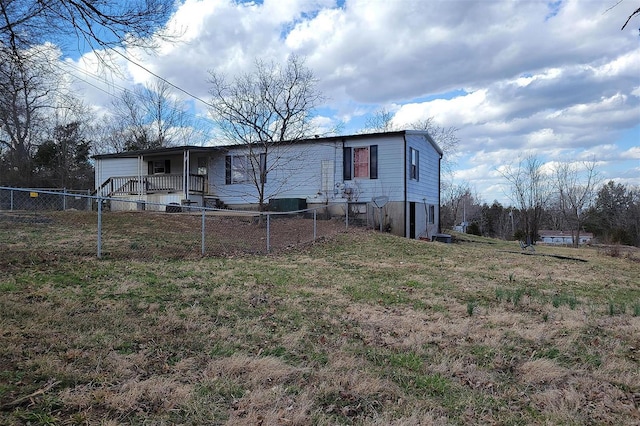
(150, 184)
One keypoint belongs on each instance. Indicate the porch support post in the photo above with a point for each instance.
(141, 189)
(185, 174)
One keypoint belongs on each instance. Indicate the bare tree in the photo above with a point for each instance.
(458, 205)
(553, 217)
(28, 91)
(446, 138)
(576, 188)
(148, 117)
(36, 106)
(263, 111)
(62, 159)
(109, 136)
(530, 191)
(380, 121)
(131, 123)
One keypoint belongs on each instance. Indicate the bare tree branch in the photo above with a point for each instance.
(576, 187)
(530, 193)
(26, 398)
(151, 116)
(636, 12)
(100, 23)
(263, 111)
(30, 90)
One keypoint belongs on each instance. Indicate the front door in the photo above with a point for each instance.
(203, 169)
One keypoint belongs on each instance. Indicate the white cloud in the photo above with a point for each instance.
(632, 153)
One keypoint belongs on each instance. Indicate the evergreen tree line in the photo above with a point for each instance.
(61, 161)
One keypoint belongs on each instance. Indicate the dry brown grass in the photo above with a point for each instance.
(362, 329)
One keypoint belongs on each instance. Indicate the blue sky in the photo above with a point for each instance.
(558, 80)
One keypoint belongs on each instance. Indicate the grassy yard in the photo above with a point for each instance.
(363, 328)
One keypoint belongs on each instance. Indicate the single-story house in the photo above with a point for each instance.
(563, 237)
(400, 169)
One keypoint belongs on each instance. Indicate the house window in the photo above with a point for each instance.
(202, 166)
(432, 214)
(238, 169)
(414, 168)
(361, 162)
(159, 167)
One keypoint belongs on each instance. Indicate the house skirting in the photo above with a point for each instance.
(150, 202)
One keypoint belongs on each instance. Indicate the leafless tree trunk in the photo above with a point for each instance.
(576, 186)
(28, 91)
(530, 192)
(263, 112)
(380, 121)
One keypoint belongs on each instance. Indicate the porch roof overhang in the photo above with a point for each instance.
(160, 152)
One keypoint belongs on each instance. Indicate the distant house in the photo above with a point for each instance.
(563, 237)
(400, 167)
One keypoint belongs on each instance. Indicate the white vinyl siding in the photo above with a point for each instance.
(425, 190)
(299, 173)
(115, 167)
(293, 171)
(426, 187)
(389, 181)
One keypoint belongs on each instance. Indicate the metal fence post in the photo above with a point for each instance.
(64, 199)
(99, 227)
(315, 225)
(202, 249)
(11, 192)
(268, 233)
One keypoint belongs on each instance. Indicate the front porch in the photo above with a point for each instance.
(118, 186)
(155, 177)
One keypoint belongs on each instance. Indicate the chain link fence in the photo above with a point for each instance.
(44, 225)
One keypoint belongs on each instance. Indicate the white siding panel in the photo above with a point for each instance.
(298, 173)
(295, 171)
(114, 167)
(390, 173)
(426, 188)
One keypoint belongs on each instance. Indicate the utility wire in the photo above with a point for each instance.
(125, 90)
(163, 79)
